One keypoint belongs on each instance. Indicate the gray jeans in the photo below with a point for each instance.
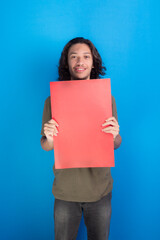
(67, 217)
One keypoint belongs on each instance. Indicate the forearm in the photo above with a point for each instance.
(117, 141)
(46, 145)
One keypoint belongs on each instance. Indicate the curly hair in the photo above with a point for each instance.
(63, 69)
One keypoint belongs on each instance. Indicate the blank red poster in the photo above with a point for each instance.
(80, 107)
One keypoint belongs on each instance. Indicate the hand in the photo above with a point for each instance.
(50, 129)
(111, 126)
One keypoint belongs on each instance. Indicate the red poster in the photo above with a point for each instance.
(80, 107)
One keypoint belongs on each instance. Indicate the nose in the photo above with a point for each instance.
(79, 61)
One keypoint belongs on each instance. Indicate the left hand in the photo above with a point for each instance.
(112, 126)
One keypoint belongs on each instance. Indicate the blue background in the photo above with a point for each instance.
(33, 34)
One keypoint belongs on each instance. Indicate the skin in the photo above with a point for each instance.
(80, 62)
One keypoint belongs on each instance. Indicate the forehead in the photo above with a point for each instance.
(79, 48)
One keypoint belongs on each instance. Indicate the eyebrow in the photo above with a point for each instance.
(83, 53)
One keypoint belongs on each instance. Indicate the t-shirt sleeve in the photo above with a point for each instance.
(114, 109)
(46, 114)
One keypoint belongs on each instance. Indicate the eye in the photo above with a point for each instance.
(87, 56)
(72, 57)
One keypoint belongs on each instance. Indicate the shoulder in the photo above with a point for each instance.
(48, 99)
(113, 99)
(48, 102)
(114, 109)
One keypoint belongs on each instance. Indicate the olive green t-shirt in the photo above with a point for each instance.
(80, 184)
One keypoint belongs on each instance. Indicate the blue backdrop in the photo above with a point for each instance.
(33, 34)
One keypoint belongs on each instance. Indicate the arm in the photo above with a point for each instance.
(50, 130)
(117, 141)
(46, 145)
(112, 125)
(49, 127)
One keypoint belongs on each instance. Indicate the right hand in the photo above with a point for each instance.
(50, 129)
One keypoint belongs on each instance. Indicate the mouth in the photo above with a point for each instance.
(79, 70)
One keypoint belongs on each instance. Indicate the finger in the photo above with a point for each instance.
(50, 125)
(111, 131)
(111, 128)
(50, 134)
(115, 133)
(110, 123)
(53, 121)
(47, 133)
(112, 119)
(50, 131)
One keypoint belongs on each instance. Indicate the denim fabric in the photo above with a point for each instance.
(67, 217)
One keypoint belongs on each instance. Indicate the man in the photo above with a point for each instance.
(77, 190)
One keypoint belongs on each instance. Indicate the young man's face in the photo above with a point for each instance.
(80, 61)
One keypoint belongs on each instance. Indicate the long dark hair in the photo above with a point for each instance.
(63, 69)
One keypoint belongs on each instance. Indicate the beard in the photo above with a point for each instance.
(77, 78)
